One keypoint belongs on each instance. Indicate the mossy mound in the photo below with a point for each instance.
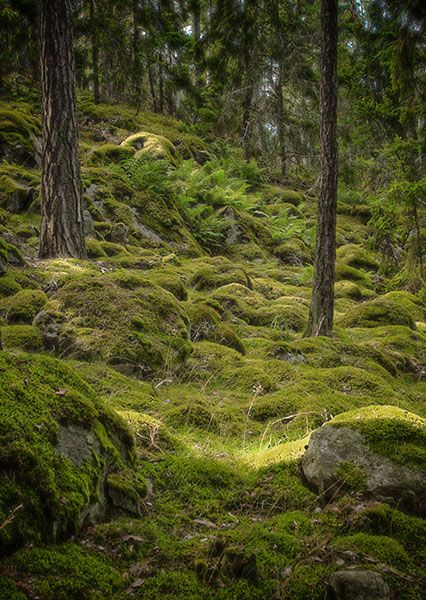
(9, 256)
(110, 153)
(356, 256)
(379, 311)
(58, 444)
(390, 431)
(155, 145)
(19, 133)
(21, 337)
(214, 273)
(68, 571)
(205, 324)
(23, 306)
(123, 320)
(293, 252)
(273, 194)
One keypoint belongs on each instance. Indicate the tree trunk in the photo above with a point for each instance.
(322, 304)
(281, 119)
(61, 194)
(247, 101)
(137, 71)
(95, 52)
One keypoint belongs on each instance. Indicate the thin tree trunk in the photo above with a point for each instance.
(247, 101)
(151, 81)
(137, 71)
(95, 52)
(160, 84)
(322, 304)
(281, 120)
(61, 194)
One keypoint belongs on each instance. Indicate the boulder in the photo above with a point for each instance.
(375, 450)
(357, 585)
(63, 453)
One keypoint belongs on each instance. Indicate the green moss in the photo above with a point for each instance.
(8, 285)
(351, 476)
(344, 271)
(100, 249)
(391, 431)
(379, 311)
(21, 337)
(23, 306)
(408, 530)
(293, 252)
(108, 153)
(9, 590)
(152, 144)
(9, 255)
(168, 281)
(409, 302)
(355, 256)
(142, 329)
(39, 394)
(18, 130)
(67, 572)
(273, 194)
(214, 273)
(378, 547)
(352, 290)
(205, 324)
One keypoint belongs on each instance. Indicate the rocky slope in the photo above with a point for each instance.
(157, 399)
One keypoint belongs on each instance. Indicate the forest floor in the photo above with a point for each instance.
(187, 322)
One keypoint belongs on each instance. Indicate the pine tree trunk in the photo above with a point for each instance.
(61, 194)
(281, 120)
(95, 52)
(322, 304)
(137, 70)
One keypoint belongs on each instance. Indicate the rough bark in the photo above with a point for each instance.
(95, 52)
(281, 119)
(61, 194)
(137, 66)
(322, 304)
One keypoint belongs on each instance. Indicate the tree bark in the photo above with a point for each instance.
(281, 119)
(95, 52)
(61, 194)
(322, 304)
(137, 67)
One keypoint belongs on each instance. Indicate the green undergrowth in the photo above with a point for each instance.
(178, 347)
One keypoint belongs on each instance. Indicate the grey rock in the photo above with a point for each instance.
(148, 233)
(357, 585)
(77, 444)
(19, 200)
(119, 233)
(88, 223)
(330, 446)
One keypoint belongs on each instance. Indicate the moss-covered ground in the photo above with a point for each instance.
(187, 322)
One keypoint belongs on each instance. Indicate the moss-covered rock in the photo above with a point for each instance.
(205, 324)
(129, 323)
(21, 337)
(293, 252)
(153, 144)
(23, 306)
(68, 571)
(19, 133)
(58, 445)
(356, 256)
(110, 153)
(379, 311)
(272, 194)
(214, 273)
(385, 444)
